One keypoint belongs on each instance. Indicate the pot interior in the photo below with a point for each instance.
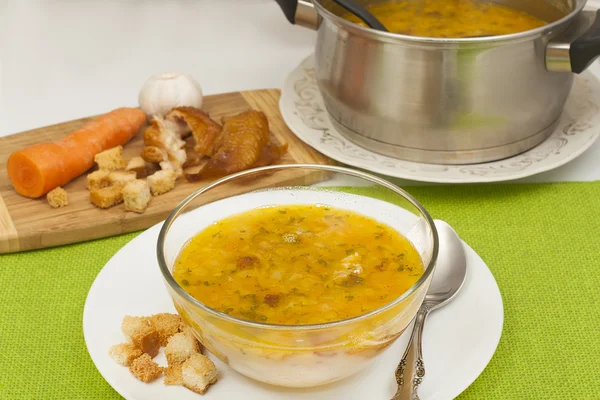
(546, 10)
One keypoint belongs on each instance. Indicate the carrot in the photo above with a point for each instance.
(35, 170)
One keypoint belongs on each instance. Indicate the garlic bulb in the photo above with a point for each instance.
(168, 90)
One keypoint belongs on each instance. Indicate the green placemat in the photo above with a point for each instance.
(541, 241)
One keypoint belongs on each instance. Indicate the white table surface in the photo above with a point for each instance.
(66, 59)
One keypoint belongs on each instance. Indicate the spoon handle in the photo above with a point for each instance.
(411, 370)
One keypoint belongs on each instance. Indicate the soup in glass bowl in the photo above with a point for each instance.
(298, 275)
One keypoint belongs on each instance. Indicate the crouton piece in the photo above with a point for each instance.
(142, 334)
(183, 326)
(137, 165)
(198, 372)
(111, 159)
(166, 166)
(151, 168)
(136, 195)
(180, 347)
(124, 353)
(145, 369)
(173, 374)
(189, 331)
(57, 197)
(106, 197)
(166, 325)
(154, 154)
(162, 182)
(121, 178)
(98, 179)
(172, 166)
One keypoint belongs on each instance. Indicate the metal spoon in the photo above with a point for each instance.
(361, 12)
(448, 278)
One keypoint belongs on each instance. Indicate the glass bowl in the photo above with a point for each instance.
(298, 355)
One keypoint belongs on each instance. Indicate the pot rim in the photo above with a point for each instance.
(389, 36)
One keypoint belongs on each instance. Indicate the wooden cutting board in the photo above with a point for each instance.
(27, 224)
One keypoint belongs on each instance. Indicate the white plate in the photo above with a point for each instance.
(304, 112)
(459, 339)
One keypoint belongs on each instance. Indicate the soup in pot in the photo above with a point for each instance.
(450, 18)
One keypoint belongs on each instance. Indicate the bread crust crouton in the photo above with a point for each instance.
(166, 325)
(180, 347)
(198, 372)
(136, 195)
(124, 353)
(121, 178)
(173, 374)
(154, 154)
(162, 181)
(111, 159)
(171, 166)
(57, 197)
(145, 369)
(98, 179)
(142, 334)
(137, 165)
(106, 197)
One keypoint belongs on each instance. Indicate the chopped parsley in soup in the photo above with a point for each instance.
(297, 264)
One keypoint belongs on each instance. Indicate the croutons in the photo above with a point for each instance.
(142, 334)
(166, 325)
(173, 374)
(124, 353)
(111, 159)
(166, 166)
(171, 166)
(198, 372)
(136, 195)
(153, 154)
(57, 197)
(98, 179)
(186, 365)
(121, 178)
(137, 165)
(145, 369)
(106, 197)
(162, 182)
(180, 347)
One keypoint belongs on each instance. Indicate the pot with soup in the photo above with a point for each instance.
(453, 81)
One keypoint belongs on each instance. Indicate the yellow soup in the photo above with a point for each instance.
(450, 18)
(297, 264)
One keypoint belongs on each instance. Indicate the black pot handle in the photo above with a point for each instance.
(585, 49)
(300, 12)
(289, 9)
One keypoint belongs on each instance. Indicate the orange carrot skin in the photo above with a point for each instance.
(35, 170)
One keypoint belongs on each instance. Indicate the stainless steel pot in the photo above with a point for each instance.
(450, 101)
